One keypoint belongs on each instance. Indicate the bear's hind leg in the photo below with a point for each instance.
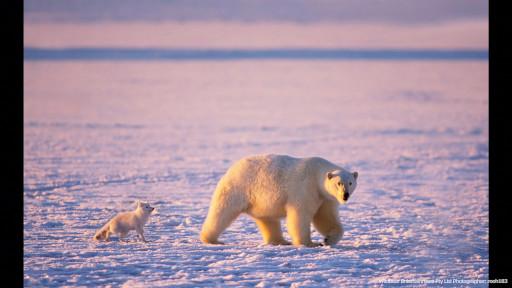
(216, 222)
(271, 231)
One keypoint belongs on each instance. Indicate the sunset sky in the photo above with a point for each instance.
(257, 24)
(394, 11)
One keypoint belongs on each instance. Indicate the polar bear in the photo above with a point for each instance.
(271, 187)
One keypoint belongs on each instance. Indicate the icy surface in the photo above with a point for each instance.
(100, 135)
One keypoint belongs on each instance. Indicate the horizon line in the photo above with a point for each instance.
(224, 54)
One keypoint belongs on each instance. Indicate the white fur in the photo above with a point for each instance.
(270, 187)
(124, 222)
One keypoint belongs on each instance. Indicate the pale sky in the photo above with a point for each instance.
(402, 24)
(395, 11)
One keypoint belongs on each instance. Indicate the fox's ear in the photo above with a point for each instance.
(137, 203)
(355, 175)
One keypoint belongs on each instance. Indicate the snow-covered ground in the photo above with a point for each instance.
(100, 135)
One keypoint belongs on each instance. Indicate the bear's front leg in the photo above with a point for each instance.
(326, 222)
(299, 223)
(333, 237)
(271, 231)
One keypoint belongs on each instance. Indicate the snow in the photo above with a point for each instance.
(100, 135)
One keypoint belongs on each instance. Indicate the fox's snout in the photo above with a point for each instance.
(100, 235)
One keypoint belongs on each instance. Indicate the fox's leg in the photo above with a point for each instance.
(140, 231)
(107, 236)
(122, 236)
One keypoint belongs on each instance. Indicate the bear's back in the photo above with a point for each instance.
(273, 162)
(269, 164)
(274, 168)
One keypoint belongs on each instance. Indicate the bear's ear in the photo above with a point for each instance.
(355, 174)
(329, 175)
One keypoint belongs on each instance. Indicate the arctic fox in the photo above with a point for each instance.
(124, 222)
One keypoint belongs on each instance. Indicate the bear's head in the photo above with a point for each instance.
(341, 184)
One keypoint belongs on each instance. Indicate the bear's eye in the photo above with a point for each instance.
(350, 183)
(339, 183)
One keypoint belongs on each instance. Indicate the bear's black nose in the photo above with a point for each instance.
(345, 196)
